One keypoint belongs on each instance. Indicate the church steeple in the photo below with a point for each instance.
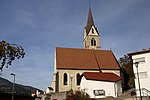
(91, 34)
(90, 21)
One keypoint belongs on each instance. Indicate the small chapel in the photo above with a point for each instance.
(88, 69)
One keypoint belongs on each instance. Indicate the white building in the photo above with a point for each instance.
(101, 85)
(143, 59)
(49, 90)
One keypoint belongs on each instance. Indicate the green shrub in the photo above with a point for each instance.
(79, 95)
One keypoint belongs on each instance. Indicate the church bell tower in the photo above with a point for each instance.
(91, 34)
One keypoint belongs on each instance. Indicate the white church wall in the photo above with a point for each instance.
(73, 73)
(54, 75)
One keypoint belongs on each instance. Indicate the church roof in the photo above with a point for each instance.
(98, 76)
(90, 22)
(87, 59)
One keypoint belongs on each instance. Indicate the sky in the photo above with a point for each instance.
(40, 26)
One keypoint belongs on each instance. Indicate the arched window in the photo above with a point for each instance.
(78, 77)
(65, 79)
(92, 31)
(93, 42)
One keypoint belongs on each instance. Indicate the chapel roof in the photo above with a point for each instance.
(87, 59)
(99, 76)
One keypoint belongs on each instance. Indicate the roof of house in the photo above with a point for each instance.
(139, 52)
(73, 58)
(50, 88)
(99, 76)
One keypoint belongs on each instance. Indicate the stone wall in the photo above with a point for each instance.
(59, 96)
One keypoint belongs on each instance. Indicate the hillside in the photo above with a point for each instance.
(6, 87)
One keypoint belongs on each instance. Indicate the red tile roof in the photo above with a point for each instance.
(98, 76)
(71, 58)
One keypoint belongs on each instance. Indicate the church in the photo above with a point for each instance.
(71, 65)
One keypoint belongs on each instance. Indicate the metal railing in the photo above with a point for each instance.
(145, 92)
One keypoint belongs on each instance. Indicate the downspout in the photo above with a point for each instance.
(115, 89)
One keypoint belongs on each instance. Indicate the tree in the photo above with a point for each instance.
(8, 53)
(127, 70)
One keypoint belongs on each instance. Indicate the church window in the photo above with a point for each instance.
(92, 31)
(93, 42)
(78, 77)
(65, 79)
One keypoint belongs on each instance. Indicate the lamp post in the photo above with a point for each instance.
(13, 86)
(136, 65)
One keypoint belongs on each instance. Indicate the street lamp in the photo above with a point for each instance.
(136, 65)
(13, 86)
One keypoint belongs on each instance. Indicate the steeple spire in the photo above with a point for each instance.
(90, 18)
(90, 21)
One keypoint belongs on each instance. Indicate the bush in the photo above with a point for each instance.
(47, 97)
(79, 95)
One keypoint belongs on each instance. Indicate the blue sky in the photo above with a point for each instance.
(41, 25)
